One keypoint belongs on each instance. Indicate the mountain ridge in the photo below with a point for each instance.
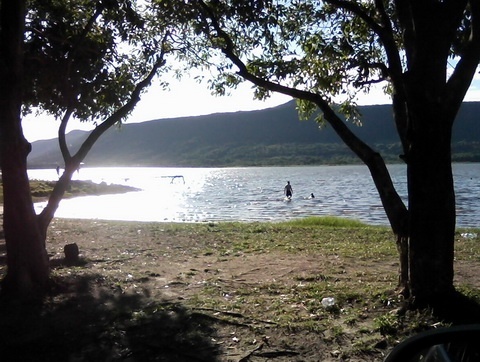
(272, 136)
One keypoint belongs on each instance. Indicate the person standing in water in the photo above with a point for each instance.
(288, 190)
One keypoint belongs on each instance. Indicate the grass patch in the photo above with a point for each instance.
(297, 237)
(326, 221)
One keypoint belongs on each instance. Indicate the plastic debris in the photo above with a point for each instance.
(328, 302)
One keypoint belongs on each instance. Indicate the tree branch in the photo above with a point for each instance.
(72, 163)
(356, 9)
(459, 82)
(61, 135)
(116, 117)
(405, 17)
(383, 31)
(386, 36)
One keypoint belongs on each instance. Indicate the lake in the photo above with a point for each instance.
(249, 194)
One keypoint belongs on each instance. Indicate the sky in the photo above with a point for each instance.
(188, 98)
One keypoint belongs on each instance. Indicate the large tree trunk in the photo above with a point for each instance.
(27, 260)
(431, 208)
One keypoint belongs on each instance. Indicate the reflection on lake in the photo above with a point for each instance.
(249, 194)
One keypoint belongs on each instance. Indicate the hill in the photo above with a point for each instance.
(273, 136)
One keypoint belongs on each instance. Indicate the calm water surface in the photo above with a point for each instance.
(250, 194)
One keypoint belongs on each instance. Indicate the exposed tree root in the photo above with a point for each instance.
(232, 314)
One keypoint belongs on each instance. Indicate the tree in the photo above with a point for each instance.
(85, 59)
(318, 51)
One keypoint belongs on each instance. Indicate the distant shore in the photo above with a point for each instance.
(41, 189)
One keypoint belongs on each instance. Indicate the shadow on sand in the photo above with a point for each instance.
(457, 309)
(85, 321)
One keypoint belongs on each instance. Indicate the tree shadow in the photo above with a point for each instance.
(457, 309)
(84, 319)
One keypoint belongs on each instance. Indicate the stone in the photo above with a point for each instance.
(71, 253)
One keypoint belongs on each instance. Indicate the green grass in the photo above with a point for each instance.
(360, 241)
(326, 221)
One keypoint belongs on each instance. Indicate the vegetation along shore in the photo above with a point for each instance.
(41, 189)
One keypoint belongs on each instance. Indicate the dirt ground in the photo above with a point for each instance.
(133, 296)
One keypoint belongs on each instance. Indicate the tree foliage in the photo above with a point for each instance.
(334, 49)
(86, 55)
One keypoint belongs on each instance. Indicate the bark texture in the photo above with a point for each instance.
(27, 259)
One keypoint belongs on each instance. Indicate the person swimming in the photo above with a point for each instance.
(312, 196)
